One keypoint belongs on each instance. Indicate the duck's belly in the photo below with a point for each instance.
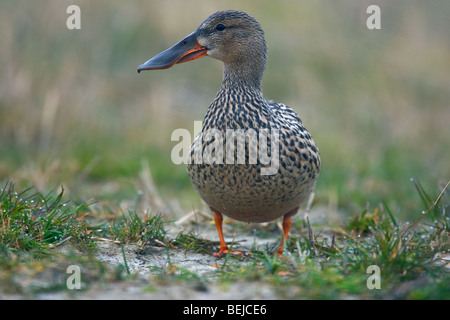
(240, 192)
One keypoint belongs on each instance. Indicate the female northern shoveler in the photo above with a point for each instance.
(239, 189)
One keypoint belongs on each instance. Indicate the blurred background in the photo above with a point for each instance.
(75, 113)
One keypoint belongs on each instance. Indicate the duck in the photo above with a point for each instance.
(253, 159)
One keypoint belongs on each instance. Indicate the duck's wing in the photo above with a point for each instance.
(286, 116)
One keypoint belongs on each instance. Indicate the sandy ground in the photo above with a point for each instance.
(152, 268)
(144, 263)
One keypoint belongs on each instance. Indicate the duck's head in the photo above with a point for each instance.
(232, 36)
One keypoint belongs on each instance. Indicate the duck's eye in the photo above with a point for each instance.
(220, 27)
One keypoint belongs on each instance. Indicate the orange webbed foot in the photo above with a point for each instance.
(218, 219)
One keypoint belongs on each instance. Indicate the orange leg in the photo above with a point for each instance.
(287, 221)
(218, 219)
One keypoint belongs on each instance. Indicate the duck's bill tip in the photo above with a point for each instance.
(186, 50)
(151, 65)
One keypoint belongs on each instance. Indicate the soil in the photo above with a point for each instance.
(143, 263)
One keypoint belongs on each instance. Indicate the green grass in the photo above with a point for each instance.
(316, 267)
(32, 222)
(191, 242)
(32, 227)
(319, 269)
(134, 229)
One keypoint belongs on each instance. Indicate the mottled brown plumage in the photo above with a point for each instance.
(238, 189)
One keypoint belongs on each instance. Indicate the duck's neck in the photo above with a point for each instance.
(248, 76)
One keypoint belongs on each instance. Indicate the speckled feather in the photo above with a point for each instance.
(239, 190)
